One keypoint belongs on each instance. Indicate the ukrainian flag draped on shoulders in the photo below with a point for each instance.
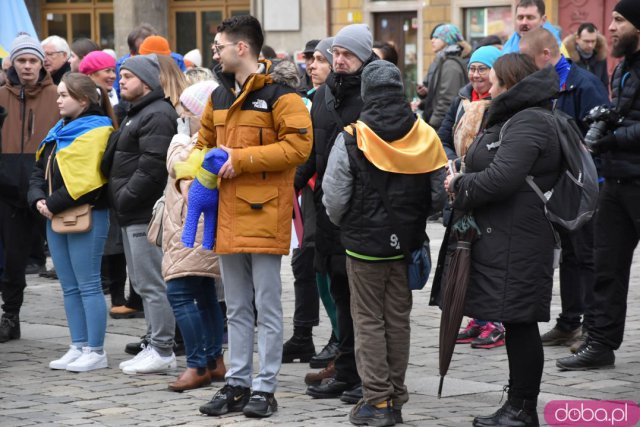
(80, 145)
(419, 151)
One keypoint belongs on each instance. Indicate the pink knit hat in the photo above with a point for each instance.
(195, 97)
(96, 61)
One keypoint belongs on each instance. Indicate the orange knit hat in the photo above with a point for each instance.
(155, 44)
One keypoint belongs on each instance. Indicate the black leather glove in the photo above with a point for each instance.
(604, 144)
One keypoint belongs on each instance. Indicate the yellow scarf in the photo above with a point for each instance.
(419, 151)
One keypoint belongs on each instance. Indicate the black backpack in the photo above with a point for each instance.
(572, 201)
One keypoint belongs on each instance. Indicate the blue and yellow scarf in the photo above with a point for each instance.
(80, 145)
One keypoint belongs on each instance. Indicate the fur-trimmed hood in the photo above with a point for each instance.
(601, 52)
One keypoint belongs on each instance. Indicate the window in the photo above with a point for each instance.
(74, 19)
(481, 22)
(193, 23)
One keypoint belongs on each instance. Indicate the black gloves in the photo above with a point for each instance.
(604, 144)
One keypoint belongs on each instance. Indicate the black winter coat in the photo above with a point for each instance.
(343, 91)
(512, 261)
(135, 159)
(624, 160)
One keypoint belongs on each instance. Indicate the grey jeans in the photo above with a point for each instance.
(243, 275)
(144, 265)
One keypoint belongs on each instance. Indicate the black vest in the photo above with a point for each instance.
(366, 227)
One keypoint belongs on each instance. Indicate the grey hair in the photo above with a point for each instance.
(59, 43)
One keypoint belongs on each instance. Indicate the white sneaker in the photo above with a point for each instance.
(71, 355)
(151, 364)
(143, 353)
(89, 361)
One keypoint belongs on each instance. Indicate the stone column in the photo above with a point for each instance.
(130, 13)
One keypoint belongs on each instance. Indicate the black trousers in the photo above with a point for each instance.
(17, 232)
(616, 237)
(346, 369)
(577, 276)
(526, 359)
(114, 276)
(307, 301)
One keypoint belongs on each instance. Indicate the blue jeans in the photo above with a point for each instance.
(199, 317)
(77, 259)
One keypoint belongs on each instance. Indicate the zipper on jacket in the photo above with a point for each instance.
(264, 174)
(23, 114)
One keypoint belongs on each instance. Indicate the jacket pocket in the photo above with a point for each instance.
(256, 211)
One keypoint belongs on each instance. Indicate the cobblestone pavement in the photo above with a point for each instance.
(30, 393)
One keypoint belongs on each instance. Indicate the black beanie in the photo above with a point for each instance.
(630, 10)
(381, 78)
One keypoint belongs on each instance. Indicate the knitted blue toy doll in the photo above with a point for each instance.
(203, 199)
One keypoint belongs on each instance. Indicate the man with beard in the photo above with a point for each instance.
(618, 214)
(135, 162)
(336, 104)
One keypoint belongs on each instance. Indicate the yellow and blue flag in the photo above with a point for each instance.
(80, 145)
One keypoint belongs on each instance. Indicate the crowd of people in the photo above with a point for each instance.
(104, 157)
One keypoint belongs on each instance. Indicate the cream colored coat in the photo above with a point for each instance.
(179, 261)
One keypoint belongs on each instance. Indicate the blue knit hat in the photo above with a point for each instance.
(448, 33)
(486, 55)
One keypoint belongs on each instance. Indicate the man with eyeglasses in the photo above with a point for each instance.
(265, 128)
(580, 91)
(56, 57)
(336, 104)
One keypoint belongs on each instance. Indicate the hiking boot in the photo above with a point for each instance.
(191, 379)
(298, 347)
(216, 368)
(397, 414)
(9, 327)
(125, 312)
(592, 355)
(492, 335)
(579, 342)
(332, 389)
(366, 414)
(557, 336)
(228, 399)
(352, 396)
(469, 333)
(261, 404)
(514, 413)
(315, 378)
(327, 355)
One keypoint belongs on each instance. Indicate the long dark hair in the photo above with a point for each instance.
(82, 88)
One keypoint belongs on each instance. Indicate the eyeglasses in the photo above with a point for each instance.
(52, 54)
(480, 70)
(217, 48)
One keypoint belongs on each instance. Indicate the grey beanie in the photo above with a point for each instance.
(324, 47)
(24, 44)
(145, 67)
(381, 78)
(356, 38)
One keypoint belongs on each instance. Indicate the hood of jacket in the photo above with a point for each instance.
(537, 89)
(461, 49)
(601, 51)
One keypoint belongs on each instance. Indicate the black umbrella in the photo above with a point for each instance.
(465, 231)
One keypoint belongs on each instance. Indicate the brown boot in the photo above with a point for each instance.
(190, 379)
(315, 378)
(217, 371)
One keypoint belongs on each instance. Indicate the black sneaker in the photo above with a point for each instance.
(379, 415)
(260, 405)
(9, 327)
(328, 353)
(134, 348)
(228, 399)
(592, 355)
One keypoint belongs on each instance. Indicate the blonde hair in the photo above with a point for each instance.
(172, 80)
(199, 74)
